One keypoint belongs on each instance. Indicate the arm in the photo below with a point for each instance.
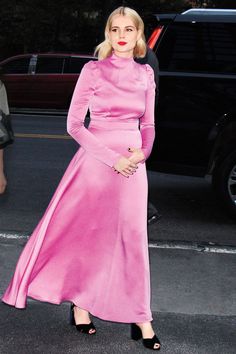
(3, 99)
(3, 181)
(77, 113)
(147, 121)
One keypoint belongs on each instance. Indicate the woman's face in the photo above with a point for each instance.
(123, 30)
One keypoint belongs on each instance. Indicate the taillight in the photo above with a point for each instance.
(154, 37)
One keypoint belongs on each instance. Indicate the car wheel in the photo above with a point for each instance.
(224, 182)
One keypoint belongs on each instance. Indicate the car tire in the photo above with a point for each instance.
(224, 182)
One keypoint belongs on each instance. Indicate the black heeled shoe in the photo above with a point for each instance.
(149, 343)
(83, 328)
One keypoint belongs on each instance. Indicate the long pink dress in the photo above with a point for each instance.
(90, 246)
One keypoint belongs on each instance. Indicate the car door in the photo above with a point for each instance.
(17, 79)
(48, 88)
(197, 86)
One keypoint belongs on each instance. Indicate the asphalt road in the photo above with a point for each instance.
(193, 306)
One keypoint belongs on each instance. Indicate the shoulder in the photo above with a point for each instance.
(88, 71)
(90, 65)
(149, 70)
(150, 75)
(146, 69)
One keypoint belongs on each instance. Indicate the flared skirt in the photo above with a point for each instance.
(90, 246)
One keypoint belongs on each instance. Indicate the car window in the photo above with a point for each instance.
(16, 66)
(50, 65)
(199, 47)
(75, 65)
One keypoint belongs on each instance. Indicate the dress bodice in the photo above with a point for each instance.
(114, 88)
(119, 87)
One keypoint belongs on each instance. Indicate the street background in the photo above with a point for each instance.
(60, 26)
(192, 247)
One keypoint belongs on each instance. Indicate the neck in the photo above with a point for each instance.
(121, 62)
(123, 55)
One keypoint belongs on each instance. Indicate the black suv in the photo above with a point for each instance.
(196, 109)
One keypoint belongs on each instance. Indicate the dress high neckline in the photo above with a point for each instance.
(120, 61)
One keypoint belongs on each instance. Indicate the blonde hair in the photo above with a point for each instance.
(104, 49)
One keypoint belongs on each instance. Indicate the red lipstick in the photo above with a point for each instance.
(122, 43)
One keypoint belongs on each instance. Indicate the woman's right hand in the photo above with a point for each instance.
(125, 167)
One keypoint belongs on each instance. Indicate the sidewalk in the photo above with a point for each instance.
(193, 305)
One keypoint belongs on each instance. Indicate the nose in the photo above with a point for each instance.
(122, 34)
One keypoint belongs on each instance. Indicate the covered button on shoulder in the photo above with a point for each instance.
(150, 77)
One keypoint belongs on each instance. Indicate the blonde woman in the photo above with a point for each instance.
(100, 264)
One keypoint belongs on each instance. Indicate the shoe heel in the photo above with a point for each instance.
(84, 328)
(72, 317)
(136, 332)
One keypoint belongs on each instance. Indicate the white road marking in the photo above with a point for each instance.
(182, 245)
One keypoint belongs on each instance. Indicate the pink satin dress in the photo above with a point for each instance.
(90, 246)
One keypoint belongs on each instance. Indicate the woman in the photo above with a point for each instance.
(103, 261)
(5, 109)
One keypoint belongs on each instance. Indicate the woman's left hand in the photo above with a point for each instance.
(137, 155)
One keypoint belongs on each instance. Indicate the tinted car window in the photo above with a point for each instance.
(17, 66)
(199, 47)
(52, 65)
(75, 65)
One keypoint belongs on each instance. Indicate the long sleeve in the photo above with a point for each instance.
(147, 121)
(76, 115)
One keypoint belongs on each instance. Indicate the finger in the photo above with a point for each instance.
(129, 171)
(126, 170)
(134, 162)
(125, 174)
(133, 165)
(132, 169)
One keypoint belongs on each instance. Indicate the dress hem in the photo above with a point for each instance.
(93, 313)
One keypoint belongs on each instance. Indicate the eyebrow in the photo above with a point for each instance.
(119, 27)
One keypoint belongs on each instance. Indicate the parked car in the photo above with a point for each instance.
(42, 80)
(196, 110)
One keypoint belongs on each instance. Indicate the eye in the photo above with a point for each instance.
(129, 29)
(114, 30)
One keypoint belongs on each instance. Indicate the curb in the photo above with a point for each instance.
(194, 246)
(209, 247)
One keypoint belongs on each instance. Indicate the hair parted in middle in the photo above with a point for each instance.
(104, 49)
